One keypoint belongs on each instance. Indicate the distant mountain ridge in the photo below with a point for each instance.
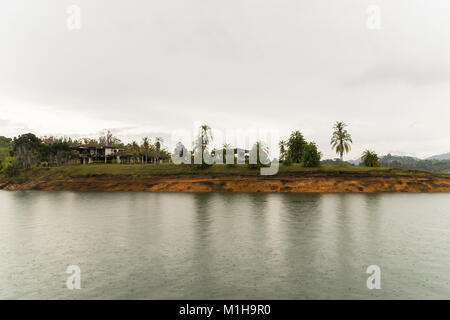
(444, 156)
(437, 163)
(355, 162)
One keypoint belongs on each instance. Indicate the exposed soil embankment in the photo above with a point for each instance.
(307, 183)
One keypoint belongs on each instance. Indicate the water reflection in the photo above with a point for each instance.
(224, 246)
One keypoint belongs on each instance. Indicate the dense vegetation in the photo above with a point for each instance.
(28, 151)
(297, 150)
(52, 155)
(5, 147)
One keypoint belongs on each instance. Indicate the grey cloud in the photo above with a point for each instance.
(413, 75)
(151, 67)
(4, 122)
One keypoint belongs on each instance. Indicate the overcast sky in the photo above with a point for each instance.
(153, 66)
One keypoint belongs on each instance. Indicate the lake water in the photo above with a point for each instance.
(223, 246)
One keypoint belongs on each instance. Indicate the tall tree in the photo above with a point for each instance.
(135, 149)
(146, 147)
(226, 147)
(108, 139)
(27, 148)
(202, 142)
(205, 136)
(311, 156)
(259, 155)
(341, 140)
(158, 143)
(295, 146)
(283, 150)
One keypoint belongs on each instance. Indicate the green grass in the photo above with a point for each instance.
(152, 170)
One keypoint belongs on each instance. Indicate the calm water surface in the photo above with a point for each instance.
(223, 246)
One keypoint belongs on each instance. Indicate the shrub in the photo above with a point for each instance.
(311, 156)
(11, 167)
(201, 166)
(287, 162)
(295, 146)
(370, 159)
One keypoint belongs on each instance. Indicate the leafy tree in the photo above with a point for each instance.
(5, 147)
(5, 142)
(370, 159)
(91, 142)
(10, 167)
(311, 156)
(55, 150)
(26, 148)
(108, 140)
(133, 150)
(341, 139)
(136, 149)
(295, 146)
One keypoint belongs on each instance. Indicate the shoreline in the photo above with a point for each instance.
(338, 183)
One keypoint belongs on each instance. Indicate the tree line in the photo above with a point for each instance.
(27, 150)
(294, 149)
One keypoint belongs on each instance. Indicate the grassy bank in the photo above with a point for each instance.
(161, 170)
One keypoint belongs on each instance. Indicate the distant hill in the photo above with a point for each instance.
(355, 162)
(335, 162)
(444, 156)
(412, 163)
(439, 163)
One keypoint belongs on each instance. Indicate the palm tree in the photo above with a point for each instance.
(259, 154)
(370, 159)
(282, 145)
(205, 135)
(146, 147)
(158, 143)
(135, 149)
(201, 143)
(225, 148)
(341, 139)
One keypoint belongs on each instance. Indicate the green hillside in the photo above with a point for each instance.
(432, 165)
(5, 145)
